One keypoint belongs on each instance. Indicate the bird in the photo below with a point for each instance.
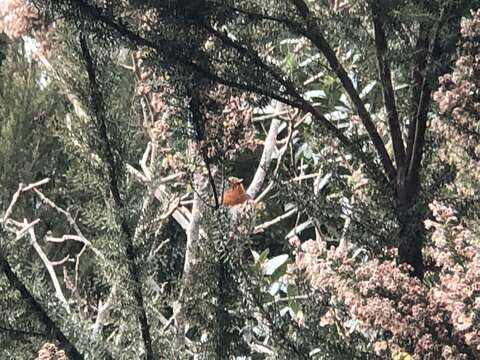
(241, 216)
(235, 194)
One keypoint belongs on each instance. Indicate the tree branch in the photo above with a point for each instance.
(103, 312)
(307, 107)
(267, 154)
(193, 231)
(199, 126)
(48, 265)
(418, 76)
(97, 103)
(314, 34)
(385, 75)
(167, 49)
(262, 227)
(421, 115)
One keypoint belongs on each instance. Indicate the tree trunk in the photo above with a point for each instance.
(410, 217)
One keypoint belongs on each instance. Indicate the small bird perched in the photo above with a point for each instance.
(235, 194)
(241, 216)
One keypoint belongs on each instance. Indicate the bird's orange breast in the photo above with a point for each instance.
(235, 195)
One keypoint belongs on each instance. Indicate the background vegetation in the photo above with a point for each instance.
(354, 125)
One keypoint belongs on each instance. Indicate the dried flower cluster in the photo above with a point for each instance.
(458, 99)
(456, 292)
(50, 352)
(20, 18)
(228, 123)
(227, 128)
(157, 113)
(470, 28)
(436, 319)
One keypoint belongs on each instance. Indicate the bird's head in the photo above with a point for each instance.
(234, 181)
(235, 193)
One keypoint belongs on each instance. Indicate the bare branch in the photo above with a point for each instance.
(181, 214)
(15, 196)
(21, 188)
(48, 265)
(267, 224)
(193, 232)
(69, 217)
(21, 233)
(136, 173)
(304, 177)
(268, 150)
(173, 206)
(60, 262)
(77, 238)
(159, 247)
(273, 115)
(170, 178)
(36, 184)
(299, 228)
(280, 154)
(103, 312)
(143, 162)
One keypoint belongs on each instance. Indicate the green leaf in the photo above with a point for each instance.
(263, 256)
(274, 263)
(282, 270)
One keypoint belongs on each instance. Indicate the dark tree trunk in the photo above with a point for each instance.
(410, 217)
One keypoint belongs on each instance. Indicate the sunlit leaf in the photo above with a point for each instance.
(274, 263)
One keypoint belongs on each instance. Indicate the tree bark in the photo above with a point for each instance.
(411, 227)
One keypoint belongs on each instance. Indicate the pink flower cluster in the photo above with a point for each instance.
(50, 352)
(455, 250)
(459, 104)
(470, 28)
(20, 18)
(434, 319)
